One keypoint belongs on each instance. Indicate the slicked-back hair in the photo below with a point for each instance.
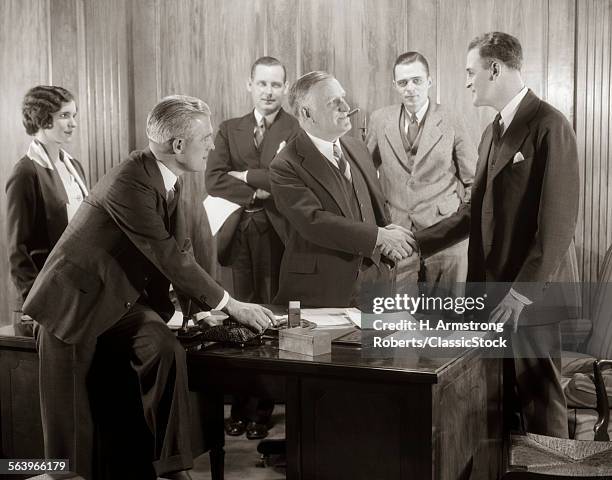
(173, 118)
(411, 57)
(300, 90)
(39, 105)
(268, 62)
(500, 46)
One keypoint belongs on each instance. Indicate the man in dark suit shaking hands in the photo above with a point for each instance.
(523, 218)
(325, 184)
(107, 281)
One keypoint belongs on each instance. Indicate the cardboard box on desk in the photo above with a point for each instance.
(306, 341)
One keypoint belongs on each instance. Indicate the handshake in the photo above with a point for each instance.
(395, 242)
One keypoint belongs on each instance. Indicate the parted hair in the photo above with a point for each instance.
(173, 118)
(299, 91)
(39, 105)
(500, 46)
(268, 62)
(411, 57)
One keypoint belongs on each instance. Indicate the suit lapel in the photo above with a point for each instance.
(152, 170)
(278, 132)
(431, 133)
(392, 132)
(245, 139)
(55, 199)
(319, 167)
(157, 181)
(516, 133)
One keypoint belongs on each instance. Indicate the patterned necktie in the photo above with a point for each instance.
(497, 135)
(341, 161)
(259, 132)
(412, 127)
(497, 129)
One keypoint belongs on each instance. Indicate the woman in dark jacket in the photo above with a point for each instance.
(45, 188)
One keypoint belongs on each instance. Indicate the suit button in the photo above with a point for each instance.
(128, 305)
(146, 279)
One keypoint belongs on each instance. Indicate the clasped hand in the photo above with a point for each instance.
(396, 242)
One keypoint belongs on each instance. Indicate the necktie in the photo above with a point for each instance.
(259, 132)
(412, 127)
(497, 135)
(497, 128)
(341, 161)
(172, 197)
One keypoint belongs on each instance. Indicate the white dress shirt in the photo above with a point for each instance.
(327, 150)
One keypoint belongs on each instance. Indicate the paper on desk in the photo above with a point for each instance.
(332, 317)
(218, 210)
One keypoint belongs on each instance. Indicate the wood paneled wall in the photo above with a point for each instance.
(594, 133)
(120, 56)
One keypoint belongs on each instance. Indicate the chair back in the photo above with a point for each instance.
(599, 344)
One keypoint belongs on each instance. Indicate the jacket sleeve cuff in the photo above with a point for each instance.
(521, 298)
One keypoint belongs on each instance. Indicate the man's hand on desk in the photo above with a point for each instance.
(254, 316)
(395, 242)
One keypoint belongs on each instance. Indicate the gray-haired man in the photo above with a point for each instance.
(325, 184)
(106, 282)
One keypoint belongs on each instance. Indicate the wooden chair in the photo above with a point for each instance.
(531, 457)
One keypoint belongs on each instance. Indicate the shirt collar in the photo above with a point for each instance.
(421, 112)
(325, 146)
(167, 175)
(38, 154)
(269, 118)
(509, 111)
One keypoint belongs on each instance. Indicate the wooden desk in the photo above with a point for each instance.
(20, 424)
(348, 416)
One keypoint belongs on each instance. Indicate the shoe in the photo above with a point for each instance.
(256, 431)
(234, 427)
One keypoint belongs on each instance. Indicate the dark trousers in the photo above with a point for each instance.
(255, 272)
(537, 369)
(158, 361)
(256, 266)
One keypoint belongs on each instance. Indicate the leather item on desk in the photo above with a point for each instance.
(232, 333)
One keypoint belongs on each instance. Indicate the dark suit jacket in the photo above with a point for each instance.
(523, 213)
(35, 219)
(325, 247)
(235, 150)
(117, 248)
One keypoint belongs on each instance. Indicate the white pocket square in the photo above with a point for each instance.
(518, 157)
(281, 146)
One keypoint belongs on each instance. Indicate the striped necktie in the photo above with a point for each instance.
(341, 161)
(412, 127)
(259, 132)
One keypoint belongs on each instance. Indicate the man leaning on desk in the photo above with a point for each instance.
(325, 184)
(107, 281)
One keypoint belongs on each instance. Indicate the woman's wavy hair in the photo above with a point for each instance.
(39, 105)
